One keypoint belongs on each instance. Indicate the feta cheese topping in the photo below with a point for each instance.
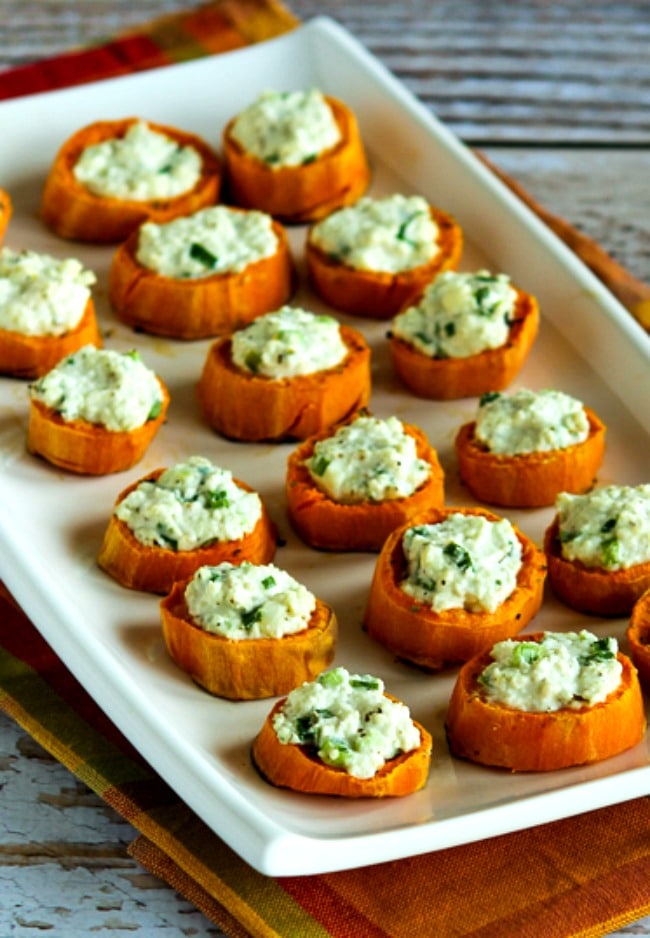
(287, 343)
(287, 128)
(368, 460)
(572, 669)
(388, 235)
(114, 389)
(248, 601)
(530, 422)
(40, 294)
(190, 505)
(348, 722)
(464, 562)
(459, 315)
(215, 240)
(142, 165)
(608, 527)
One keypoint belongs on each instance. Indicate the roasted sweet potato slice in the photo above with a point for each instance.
(379, 294)
(529, 480)
(155, 569)
(490, 370)
(523, 741)
(432, 640)
(73, 211)
(295, 194)
(638, 637)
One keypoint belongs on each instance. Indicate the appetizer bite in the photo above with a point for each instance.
(112, 175)
(247, 631)
(524, 448)
(46, 311)
(546, 701)
(348, 488)
(96, 412)
(468, 334)
(638, 637)
(5, 212)
(373, 257)
(296, 155)
(287, 375)
(343, 735)
(167, 525)
(450, 584)
(598, 549)
(202, 275)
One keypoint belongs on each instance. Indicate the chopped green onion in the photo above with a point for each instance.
(203, 256)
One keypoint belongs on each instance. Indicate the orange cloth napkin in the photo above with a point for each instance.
(580, 877)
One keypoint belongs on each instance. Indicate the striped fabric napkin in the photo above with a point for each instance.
(584, 876)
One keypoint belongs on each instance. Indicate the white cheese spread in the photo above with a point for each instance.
(572, 669)
(348, 722)
(385, 235)
(289, 128)
(248, 601)
(101, 386)
(143, 165)
(530, 422)
(190, 505)
(459, 315)
(215, 240)
(42, 295)
(288, 342)
(368, 460)
(464, 562)
(608, 527)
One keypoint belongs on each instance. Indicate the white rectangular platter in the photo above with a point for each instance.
(51, 523)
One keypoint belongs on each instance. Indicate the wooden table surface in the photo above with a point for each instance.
(558, 95)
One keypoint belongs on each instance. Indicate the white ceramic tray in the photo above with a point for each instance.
(51, 523)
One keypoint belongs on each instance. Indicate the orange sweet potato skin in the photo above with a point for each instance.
(495, 735)
(291, 766)
(155, 569)
(73, 212)
(29, 356)
(304, 193)
(5, 212)
(249, 669)
(377, 294)
(329, 525)
(491, 370)
(529, 480)
(86, 448)
(638, 637)
(250, 407)
(201, 308)
(433, 640)
(593, 590)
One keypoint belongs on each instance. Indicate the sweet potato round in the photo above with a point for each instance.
(292, 766)
(638, 637)
(529, 480)
(155, 569)
(594, 590)
(250, 407)
(5, 212)
(491, 370)
(330, 525)
(247, 669)
(296, 194)
(31, 356)
(88, 448)
(433, 640)
(379, 294)
(74, 212)
(198, 308)
(522, 741)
